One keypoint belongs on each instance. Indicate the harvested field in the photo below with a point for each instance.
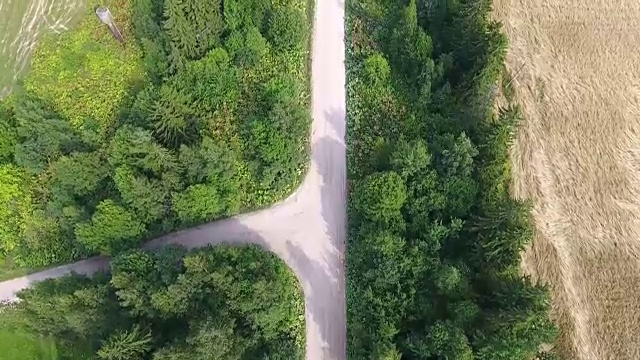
(577, 155)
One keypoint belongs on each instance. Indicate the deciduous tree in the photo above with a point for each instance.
(146, 198)
(78, 174)
(112, 228)
(198, 203)
(287, 29)
(381, 196)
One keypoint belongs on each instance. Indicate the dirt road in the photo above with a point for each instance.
(308, 229)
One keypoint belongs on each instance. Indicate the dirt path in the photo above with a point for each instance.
(577, 156)
(308, 229)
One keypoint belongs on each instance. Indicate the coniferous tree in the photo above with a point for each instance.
(130, 344)
(193, 28)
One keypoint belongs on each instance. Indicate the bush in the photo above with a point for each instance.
(15, 205)
(8, 136)
(43, 242)
(376, 70)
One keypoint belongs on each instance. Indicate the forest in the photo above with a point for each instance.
(221, 302)
(434, 240)
(202, 113)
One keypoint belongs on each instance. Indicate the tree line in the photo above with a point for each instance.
(220, 302)
(210, 118)
(434, 236)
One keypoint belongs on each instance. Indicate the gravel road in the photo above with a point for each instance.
(308, 229)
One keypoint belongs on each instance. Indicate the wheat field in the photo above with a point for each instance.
(576, 68)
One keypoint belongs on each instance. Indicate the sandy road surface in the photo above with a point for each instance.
(308, 229)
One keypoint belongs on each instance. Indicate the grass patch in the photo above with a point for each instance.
(84, 73)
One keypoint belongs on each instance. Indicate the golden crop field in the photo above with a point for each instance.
(577, 156)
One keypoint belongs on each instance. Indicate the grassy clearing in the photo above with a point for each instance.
(84, 73)
(22, 24)
(577, 157)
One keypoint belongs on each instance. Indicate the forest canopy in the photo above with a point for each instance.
(221, 302)
(201, 114)
(434, 236)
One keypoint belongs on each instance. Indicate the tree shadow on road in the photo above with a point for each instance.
(328, 309)
(322, 277)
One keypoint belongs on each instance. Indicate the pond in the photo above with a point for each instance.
(22, 23)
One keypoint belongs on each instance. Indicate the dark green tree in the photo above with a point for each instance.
(193, 28)
(136, 148)
(198, 203)
(42, 135)
(74, 309)
(247, 47)
(173, 120)
(146, 198)
(410, 158)
(239, 13)
(78, 174)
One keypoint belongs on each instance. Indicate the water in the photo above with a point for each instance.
(22, 23)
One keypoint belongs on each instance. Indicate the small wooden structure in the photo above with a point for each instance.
(105, 16)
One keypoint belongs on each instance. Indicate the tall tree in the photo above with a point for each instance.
(135, 147)
(130, 344)
(112, 228)
(193, 28)
(288, 28)
(381, 196)
(146, 198)
(173, 119)
(198, 203)
(242, 13)
(42, 135)
(74, 309)
(78, 174)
